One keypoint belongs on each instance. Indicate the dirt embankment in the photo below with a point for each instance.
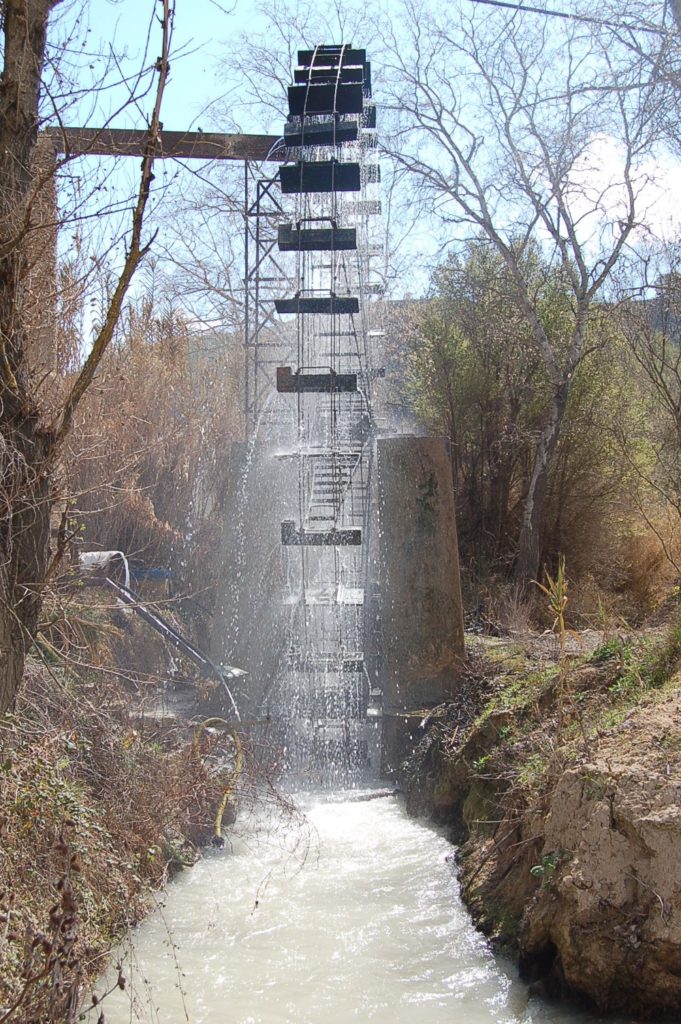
(570, 831)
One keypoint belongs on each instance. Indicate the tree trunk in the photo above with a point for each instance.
(25, 493)
(28, 449)
(529, 545)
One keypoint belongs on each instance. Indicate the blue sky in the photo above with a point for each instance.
(203, 32)
(206, 32)
(202, 28)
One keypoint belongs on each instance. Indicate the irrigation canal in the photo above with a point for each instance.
(344, 911)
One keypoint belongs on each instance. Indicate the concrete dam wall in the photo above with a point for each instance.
(418, 566)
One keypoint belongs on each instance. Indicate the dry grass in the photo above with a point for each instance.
(94, 816)
(147, 466)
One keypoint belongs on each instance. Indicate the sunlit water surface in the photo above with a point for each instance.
(350, 915)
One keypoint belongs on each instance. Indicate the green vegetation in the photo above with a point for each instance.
(514, 744)
(549, 863)
(478, 378)
(640, 667)
(480, 763)
(616, 647)
(520, 690)
(533, 769)
(661, 662)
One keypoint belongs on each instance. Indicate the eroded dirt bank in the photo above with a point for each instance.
(571, 834)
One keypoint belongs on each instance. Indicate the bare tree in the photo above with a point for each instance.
(527, 134)
(30, 442)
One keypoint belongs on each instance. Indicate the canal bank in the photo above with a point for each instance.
(569, 825)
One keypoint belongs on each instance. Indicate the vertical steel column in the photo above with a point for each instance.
(246, 307)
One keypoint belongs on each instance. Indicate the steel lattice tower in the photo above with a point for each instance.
(321, 256)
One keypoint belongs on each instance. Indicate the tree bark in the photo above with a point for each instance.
(29, 448)
(529, 545)
(24, 490)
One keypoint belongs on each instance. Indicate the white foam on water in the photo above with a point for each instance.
(353, 915)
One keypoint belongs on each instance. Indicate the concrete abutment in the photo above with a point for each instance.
(421, 610)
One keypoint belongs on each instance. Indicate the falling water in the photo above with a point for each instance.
(350, 910)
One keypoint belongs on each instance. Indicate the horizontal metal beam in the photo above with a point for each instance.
(328, 304)
(311, 538)
(332, 239)
(182, 145)
(320, 383)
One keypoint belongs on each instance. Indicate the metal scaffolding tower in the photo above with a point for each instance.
(311, 239)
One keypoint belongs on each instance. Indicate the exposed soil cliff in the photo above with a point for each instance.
(571, 833)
